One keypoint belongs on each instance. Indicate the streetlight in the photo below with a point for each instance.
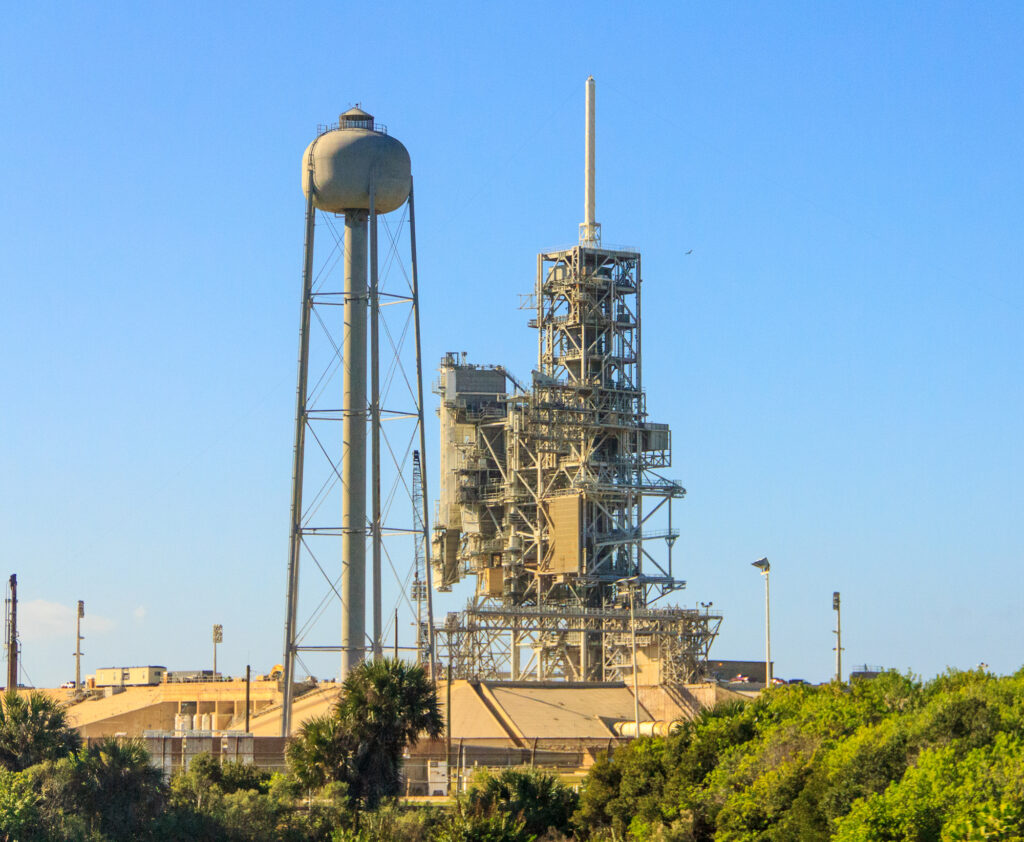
(763, 565)
(218, 637)
(839, 638)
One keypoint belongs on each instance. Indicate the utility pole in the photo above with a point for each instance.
(248, 681)
(78, 645)
(839, 638)
(218, 637)
(12, 635)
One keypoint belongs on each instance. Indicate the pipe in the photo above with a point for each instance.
(353, 454)
(375, 518)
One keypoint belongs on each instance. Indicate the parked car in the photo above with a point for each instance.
(67, 685)
(797, 681)
(741, 679)
(778, 681)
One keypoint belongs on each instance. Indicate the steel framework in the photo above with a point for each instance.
(551, 495)
(547, 495)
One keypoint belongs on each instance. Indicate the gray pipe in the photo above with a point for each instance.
(353, 454)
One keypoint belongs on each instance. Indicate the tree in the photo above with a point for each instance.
(112, 785)
(33, 728)
(384, 707)
(320, 752)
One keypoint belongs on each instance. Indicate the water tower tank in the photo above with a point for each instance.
(345, 159)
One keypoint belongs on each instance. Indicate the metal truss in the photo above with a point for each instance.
(511, 461)
(497, 642)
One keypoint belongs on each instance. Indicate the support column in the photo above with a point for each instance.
(295, 528)
(375, 517)
(353, 457)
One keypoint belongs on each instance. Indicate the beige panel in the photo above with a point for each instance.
(451, 558)
(492, 581)
(564, 535)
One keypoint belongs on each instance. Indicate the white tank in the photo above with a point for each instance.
(345, 159)
(177, 722)
(206, 722)
(186, 722)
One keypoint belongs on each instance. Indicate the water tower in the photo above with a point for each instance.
(356, 170)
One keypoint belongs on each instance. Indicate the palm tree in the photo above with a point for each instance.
(384, 706)
(33, 728)
(116, 787)
(320, 752)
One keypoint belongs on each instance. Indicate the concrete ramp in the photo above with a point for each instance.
(548, 710)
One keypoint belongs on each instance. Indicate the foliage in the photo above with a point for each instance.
(886, 759)
(109, 785)
(391, 823)
(497, 828)
(321, 752)
(33, 728)
(207, 779)
(889, 758)
(531, 796)
(19, 807)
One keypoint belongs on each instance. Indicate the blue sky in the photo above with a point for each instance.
(840, 358)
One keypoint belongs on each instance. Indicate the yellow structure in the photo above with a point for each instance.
(138, 709)
(129, 676)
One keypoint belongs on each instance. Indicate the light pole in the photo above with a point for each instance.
(763, 565)
(218, 637)
(839, 639)
(78, 645)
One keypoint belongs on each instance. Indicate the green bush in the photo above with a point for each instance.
(19, 808)
(531, 796)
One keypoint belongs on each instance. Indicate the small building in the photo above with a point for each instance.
(130, 676)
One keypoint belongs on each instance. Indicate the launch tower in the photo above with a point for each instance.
(550, 492)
